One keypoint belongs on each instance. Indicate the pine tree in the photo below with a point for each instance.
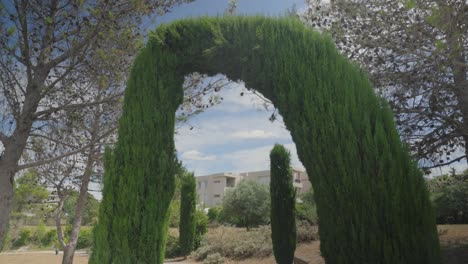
(283, 200)
(187, 214)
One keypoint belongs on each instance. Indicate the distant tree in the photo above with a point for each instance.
(232, 7)
(30, 198)
(416, 52)
(187, 223)
(90, 211)
(248, 204)
(283, 200)
(449, 193)
(50, 53)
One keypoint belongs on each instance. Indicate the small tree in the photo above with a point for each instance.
(187, 214)
(283, 197)
(248, 204)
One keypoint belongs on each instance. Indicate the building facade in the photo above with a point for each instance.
(211, 188)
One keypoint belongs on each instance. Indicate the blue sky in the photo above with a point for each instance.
(236, 135)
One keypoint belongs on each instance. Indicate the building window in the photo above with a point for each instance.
(217, 181)
(217, 195)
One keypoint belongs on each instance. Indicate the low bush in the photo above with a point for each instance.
(24, 238)
(201, 227)
(215, 258)
(172, 246)
(235, 243)
(305, 232)
(174, 213)
(85, 238)
(213, 214)
(39, 233)
(49, 238)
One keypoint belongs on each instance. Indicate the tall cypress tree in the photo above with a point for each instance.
(283, 199)
(188, 198)
(371, 198)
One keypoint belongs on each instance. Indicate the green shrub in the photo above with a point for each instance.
(24, 238)
(201, 227)
(213, 214)
(307, 212)
(172, 247)
(39, 233)
(174, 213)
(236, 244)
(49, 238)
(305, 232)
(215, 258)
(85, 238)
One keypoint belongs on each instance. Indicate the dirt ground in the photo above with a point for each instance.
(453, 240)
(38, 258)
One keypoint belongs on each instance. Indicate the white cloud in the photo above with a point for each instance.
(196, 155)
(250, 159)
(217, 130)
(253, 134)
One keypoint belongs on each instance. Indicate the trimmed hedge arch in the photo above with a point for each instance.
(371, 198)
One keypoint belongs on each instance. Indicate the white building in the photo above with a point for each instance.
(211, 188)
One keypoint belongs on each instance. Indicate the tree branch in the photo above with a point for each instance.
(42, 162)
(446, 163)
(76, 106)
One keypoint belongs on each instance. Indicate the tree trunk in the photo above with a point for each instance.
(14, 147)
(69, 249)
(460, 81)
(6, 198)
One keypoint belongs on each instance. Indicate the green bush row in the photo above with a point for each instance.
(41, 237)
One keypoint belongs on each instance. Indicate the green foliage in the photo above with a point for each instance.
(187, 224)
(49, 238)
(24, 238)
(449, 193)
(371, 198)
(234, 243)
(283, 200)
(247, 205)
(40, 232)
(90, 210)
(307, 210)
(85, 238)
(174, 213)
(29, 196)
(201, 227)
(213, 214)
(172, 247)
(306, 232)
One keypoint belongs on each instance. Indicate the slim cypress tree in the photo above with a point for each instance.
(188, 197)
(283, 198)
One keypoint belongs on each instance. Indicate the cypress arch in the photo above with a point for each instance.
(371, 198)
